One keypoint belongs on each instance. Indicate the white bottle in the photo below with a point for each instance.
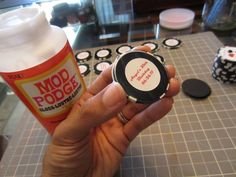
(38, 64)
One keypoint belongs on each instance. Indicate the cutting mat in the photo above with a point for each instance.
(197, 138)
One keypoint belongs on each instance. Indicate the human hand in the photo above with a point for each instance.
(91, 141)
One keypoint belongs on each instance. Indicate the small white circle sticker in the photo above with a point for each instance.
(172, 42)
(83, 55)
(82, 69)
(102, 66)
(142, 74)
(103, 53)
(152, 46)
(124, 49)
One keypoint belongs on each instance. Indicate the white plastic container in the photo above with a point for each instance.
(38, 64)
(176, 18)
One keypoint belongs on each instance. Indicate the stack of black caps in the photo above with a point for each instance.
(224, 66)
(142, 76)
(83, 56)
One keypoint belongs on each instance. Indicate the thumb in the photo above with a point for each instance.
(92, 113)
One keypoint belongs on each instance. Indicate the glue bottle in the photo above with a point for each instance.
(38, 64)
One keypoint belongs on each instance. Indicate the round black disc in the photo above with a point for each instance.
(160, 58)
(153, 46)
(103, 54)
(123, 49)
(196, 88)
(171, 43)
(101, 66)
(142, 76)
(84, 69)
(83, 56)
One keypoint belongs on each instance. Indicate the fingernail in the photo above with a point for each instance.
(114, 95)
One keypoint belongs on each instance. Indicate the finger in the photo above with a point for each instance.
(151, 114)
(171, 71)
(103, 80)
(143, 48)
(131, 109)
(174, 87)
(93, 112)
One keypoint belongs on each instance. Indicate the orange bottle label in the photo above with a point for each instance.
(49, 89)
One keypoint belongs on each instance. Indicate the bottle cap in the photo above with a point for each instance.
(153, 46)
(83, 56)
(103, 54)
(123, 49)
(171, 43)
(21, 25)
(142, 76)
(101, 66)
(84, 69)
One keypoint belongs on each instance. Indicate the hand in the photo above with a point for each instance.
(91, 141)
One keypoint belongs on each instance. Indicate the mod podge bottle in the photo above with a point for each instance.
(38, 64)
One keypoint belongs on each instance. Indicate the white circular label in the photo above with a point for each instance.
(171, 42)
(152, 46)
(102, 66)
(124, 49)
(82, 55)
(82, 69)
(142, 74)
(103, 53)
(228, 53)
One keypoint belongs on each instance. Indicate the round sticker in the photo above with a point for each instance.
(151, 45)
(102, 53)
(82, 69)
(102, 66)
(142, 74)
(123, 49)
(171, 42)
(83, 55)
(228, 53)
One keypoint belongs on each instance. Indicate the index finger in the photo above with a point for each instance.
(103, 80)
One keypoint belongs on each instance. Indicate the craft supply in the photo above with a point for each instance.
(142, 76)
(153, 46)
(84, 69)
(38, 64)
(83, 56)
(196, 88)
(123, 49)
(171, 43)
(101, 66)
(102, 54)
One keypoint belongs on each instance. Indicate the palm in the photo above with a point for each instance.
(109, 145)
(102, 149)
